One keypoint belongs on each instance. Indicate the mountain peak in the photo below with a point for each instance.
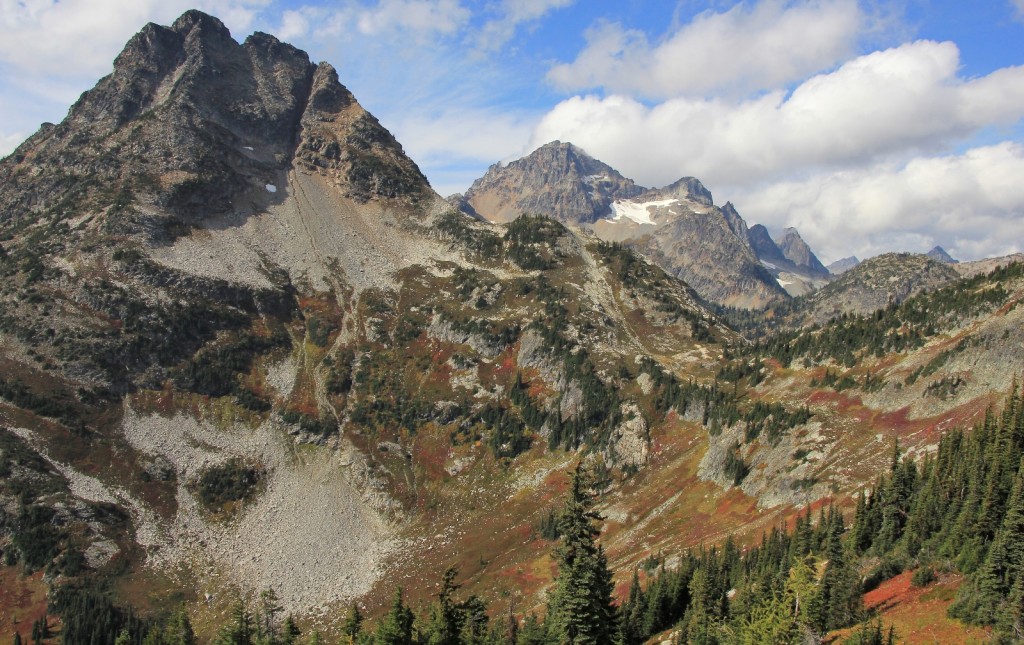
(204, 23)
(843, 265)
(795, 249)
(558, 179)
(939, 254)
(689, 188)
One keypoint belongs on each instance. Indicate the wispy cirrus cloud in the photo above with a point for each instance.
(1018, 5)
(512, 14)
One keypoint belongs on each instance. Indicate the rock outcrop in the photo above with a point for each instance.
(557, 179)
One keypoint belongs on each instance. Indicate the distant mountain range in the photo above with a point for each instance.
(678, 226)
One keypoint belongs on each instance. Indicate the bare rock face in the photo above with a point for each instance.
(189, 119)
(795, 249)
(789, 259)
(557, 179)
(765, 248)
(876, 283)
(939, 255)
(677, 226)
(699, 244)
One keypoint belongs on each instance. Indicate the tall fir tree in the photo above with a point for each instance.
(580, 609)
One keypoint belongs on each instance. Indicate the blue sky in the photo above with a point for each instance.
(869, 125)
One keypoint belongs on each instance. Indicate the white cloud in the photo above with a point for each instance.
(1019, 6)
(81, 37)
(972, 204)
(465, 137)
(420, 16)
(895, 101)
(745, 49)
(8, 142)
(495, 33)
(294, 24)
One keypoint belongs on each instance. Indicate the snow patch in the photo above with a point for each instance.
(271, 188)
(246, 147)
(783, 283)
(638, 212)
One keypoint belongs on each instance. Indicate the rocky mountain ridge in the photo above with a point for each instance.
(843, 265)
(558, 179)
(677, 226)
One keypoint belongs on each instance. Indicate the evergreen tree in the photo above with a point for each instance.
(17, 638)
(770, 621)
(396, 626)
(270, 608)
(445, 619)
(290, 632)
(581, 609)
(175, 630)
(533, 632)
(980, 601)
(240, 630)
(353, 625)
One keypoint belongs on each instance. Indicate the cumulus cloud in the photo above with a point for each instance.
(497, 32)
(81, 37)
(972, 204)
(456, 142)
(902, 100)
(745, 49)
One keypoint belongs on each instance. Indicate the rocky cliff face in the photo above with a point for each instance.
(796, 250)
(557, 179)
(190, 121)
(677, 226)
(789, 260)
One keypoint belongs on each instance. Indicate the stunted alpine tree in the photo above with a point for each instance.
(581, 609)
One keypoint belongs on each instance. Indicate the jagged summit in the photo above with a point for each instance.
(796, 250)
(190, 123)
(765, 247)
(558, 179)
(789, 259)
(687, 188)
(678, 226)
(939, 254)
